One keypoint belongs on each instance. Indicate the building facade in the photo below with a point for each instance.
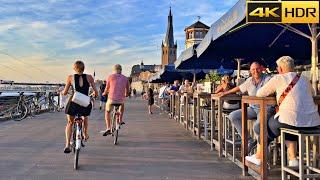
(195, 33)
(140, 75)
(168, 46)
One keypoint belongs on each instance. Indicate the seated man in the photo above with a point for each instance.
(250, 86)
(297, 109)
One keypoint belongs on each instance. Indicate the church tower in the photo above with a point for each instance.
(169, 47)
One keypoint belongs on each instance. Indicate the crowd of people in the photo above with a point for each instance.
(295, 106)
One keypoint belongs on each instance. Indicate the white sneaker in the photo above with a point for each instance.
(293, 163)
(253, 160)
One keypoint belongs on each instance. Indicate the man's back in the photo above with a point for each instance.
(117, 85)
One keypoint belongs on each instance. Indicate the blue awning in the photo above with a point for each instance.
(233, 17)
(188, 61)
(167, 74)
(231, 37)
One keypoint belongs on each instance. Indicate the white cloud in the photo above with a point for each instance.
(68, 22)
(38, 25)
(77, 44)
(4, 27)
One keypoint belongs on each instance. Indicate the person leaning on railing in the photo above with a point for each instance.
(224, 86)
(297, 110)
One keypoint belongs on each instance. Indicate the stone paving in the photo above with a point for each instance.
(150, 147)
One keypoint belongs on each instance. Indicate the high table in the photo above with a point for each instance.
(262, 102)
(186, 96)
(197, 96)
(216, 99)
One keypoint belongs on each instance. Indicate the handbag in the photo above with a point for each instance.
(287, 90)
(79, 98)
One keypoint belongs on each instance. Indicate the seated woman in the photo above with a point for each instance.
(297, 109)
(226, 85)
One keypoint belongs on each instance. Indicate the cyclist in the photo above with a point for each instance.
(118, 88)
(82, 82)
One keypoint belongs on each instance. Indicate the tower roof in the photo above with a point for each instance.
(169, 40)
(198, 24)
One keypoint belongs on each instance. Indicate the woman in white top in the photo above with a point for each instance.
(297, 110)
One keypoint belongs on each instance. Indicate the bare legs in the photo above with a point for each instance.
(291, 150)
(68, 130)
(85, 127)
(150, 109)
(107, 117)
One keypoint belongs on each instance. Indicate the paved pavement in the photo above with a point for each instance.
(150, 147)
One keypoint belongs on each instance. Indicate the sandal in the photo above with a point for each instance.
(86, 138)
(67, 150)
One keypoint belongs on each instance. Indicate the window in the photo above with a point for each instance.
(198, 34)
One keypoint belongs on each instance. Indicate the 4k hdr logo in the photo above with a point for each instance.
(283, 11)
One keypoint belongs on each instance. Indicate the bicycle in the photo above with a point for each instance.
(77, 139)
(19, 111)
(115, 126)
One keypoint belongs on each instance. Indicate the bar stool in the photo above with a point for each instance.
(182, 109)
(206, 121)
(230, 134)
(191, 118)
(306, 166)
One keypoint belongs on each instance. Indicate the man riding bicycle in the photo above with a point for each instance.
(118, 88)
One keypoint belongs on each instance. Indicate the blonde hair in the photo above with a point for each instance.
(78, 66)
(117, 68)
(286, 62)
(225, 78)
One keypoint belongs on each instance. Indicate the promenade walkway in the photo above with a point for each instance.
(150, 147)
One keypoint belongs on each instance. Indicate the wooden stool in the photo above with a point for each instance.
(230, 135)
(305, 165)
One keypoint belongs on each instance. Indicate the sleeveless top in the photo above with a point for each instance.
(85, 87)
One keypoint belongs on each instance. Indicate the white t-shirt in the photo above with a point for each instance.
(162, 92)
(298, 108)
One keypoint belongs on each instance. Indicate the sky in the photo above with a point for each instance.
(41, 39)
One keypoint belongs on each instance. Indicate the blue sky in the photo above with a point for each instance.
(40, 39)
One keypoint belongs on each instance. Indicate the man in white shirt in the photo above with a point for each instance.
(297, 110)
(250, 86)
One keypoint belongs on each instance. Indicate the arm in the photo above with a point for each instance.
(231, 91)
(67, 87)
(269, 88)
(106, 90)
(91, 82)
(219, 89)
(127, 89)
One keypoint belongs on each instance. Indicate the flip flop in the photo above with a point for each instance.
(86, 138)
(67, 150)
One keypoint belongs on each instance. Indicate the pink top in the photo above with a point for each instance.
(117, 86)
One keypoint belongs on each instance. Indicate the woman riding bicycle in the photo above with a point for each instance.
(81, 83)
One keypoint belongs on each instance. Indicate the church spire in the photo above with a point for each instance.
(169, 40)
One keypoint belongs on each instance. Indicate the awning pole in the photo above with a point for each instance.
(314, 58)
(238, 69)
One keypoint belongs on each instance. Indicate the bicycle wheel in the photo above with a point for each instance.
(115, 128)
(23, 111)
(19, 113)
(32, 109)
(76, 159)
(115, 137)
(74, 135)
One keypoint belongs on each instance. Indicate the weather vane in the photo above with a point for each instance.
(199, 17)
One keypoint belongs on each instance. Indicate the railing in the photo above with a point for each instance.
(18, 101)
